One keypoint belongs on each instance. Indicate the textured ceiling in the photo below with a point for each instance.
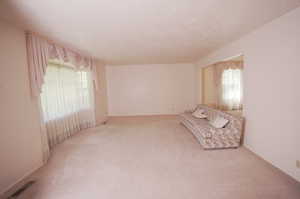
(144, 31)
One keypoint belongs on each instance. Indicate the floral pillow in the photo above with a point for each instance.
(219, 122)
(199, 113)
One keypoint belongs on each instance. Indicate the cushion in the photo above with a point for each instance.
(199, 110)
(199, 113)
(219, 122)
(200, 116)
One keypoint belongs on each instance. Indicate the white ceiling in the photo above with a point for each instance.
(144, 31)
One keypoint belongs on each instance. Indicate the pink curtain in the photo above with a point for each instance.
(40, 50)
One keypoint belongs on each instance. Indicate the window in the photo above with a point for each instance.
(232, 88)
(65, 92)
(84, 89)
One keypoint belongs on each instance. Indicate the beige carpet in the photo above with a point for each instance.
(154, 157)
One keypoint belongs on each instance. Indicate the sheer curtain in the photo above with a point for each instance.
(228, 78)
(67, 102)
(60, 117)
(232, 89)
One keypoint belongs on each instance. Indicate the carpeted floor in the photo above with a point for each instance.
(154, 157)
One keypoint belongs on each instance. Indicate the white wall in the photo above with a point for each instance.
(271, 85)
(150, 89)
(20, 143)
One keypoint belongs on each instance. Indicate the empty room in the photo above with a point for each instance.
(143, 99)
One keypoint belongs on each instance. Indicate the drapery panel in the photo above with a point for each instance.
(232, 89)
(67, 101)
(40, 51)
(228, 81)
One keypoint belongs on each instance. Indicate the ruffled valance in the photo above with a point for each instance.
(228, 65)
(40, 51)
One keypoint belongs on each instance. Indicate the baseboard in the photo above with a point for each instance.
(144, 115)
(269, 162)
(103, 120)
(6, 191)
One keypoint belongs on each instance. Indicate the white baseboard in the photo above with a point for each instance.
(102, 120)
(143, 115)
(11, 186)
(268, 161)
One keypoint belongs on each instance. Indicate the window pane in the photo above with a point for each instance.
(64, 92)
(232, 87)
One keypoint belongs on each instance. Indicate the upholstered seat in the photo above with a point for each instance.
(211, 137)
